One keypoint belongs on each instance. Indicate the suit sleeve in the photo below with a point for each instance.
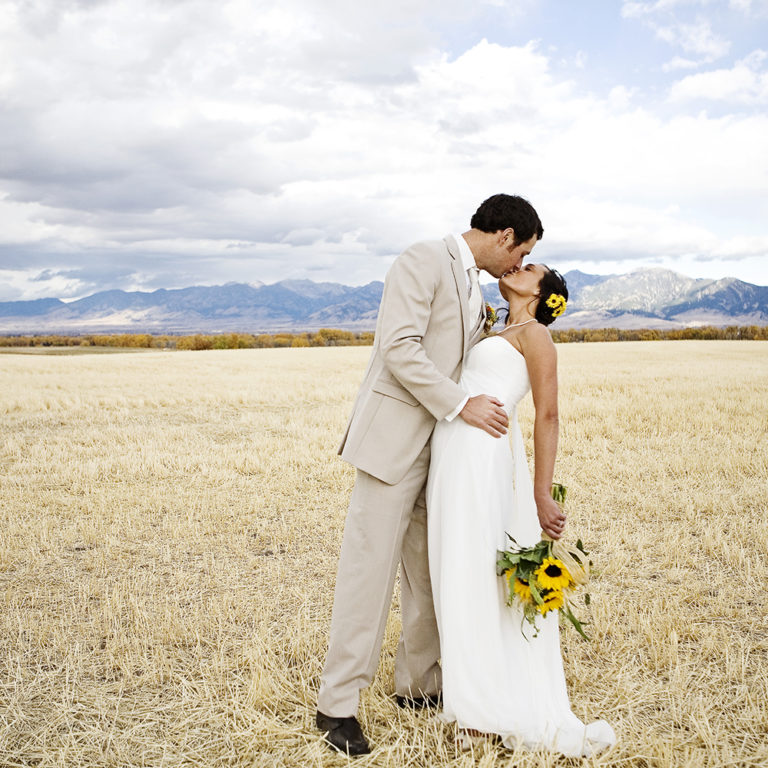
(406, 310)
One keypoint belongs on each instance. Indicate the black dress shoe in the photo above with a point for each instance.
(433, 701)
(343, 733)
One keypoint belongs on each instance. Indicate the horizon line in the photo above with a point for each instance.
(260, 284)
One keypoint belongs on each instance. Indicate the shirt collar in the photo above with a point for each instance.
(467, 259)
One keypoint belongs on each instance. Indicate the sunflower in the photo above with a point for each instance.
(552, 602)
(522, 590)
(552, 574)
(557, 303)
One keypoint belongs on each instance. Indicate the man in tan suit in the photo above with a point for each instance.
(431, 313)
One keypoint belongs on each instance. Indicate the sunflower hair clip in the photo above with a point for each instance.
(557, 303)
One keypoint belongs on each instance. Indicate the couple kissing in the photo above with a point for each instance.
(441, 478)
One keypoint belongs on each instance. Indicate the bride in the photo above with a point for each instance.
(495, 679)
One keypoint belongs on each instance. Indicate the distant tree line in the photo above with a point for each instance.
(332, 337)
(325, 337)
(731, 332)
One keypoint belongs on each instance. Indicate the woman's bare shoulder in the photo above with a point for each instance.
(536, 343)
(536, 333)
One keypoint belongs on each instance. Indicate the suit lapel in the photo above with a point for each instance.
(459, 275)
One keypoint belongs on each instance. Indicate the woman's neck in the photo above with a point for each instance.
(519, 312)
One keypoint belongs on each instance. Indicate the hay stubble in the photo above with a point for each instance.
(170, 523)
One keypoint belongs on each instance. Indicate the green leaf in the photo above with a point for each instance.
(535, 592)
(503, 563)
(580, 547)
(558, 492)
(566, 611)
(522, 626)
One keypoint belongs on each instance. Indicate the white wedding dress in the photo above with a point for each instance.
(495, 680)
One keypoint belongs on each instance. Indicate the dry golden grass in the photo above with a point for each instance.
(170, 523)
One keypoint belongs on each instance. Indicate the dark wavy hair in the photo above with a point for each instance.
(503, 211)
(552, 282)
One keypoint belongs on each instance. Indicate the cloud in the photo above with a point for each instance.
(147, 144)
(29, 285)
(640, 9)
(750, 7)
(678, 62)
(696, 38)
(669, 19)
(744, 83)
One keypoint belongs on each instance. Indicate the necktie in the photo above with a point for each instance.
(475, 295)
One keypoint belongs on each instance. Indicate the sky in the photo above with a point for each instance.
(152, 144)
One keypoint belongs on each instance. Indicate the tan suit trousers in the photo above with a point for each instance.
(386, 524)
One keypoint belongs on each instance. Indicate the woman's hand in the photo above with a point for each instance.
(551, 517)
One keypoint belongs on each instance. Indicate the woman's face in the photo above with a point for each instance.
(524, 282)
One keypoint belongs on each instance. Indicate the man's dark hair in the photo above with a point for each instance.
(552, 283)
(503, 211)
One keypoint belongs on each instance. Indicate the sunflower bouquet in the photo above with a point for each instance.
(544, 577)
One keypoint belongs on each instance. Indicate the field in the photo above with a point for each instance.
(170, 523)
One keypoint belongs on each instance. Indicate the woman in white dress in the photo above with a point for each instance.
(496, 680)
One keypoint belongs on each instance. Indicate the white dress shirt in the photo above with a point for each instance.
(468, 260)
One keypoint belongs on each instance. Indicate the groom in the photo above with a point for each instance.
(431, 313)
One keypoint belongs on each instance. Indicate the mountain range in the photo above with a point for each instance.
(645, 298)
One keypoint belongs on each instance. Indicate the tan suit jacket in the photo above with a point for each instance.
(422, 334)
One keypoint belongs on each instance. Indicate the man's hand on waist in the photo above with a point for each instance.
(487, 413)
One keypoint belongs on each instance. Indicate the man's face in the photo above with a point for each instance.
(524, 281)
(508, 257)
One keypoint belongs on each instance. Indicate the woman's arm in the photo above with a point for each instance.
(541, 359)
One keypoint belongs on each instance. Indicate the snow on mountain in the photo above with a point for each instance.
(645, 290)
(646, 298)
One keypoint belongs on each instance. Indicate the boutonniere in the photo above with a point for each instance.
(490, 318)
